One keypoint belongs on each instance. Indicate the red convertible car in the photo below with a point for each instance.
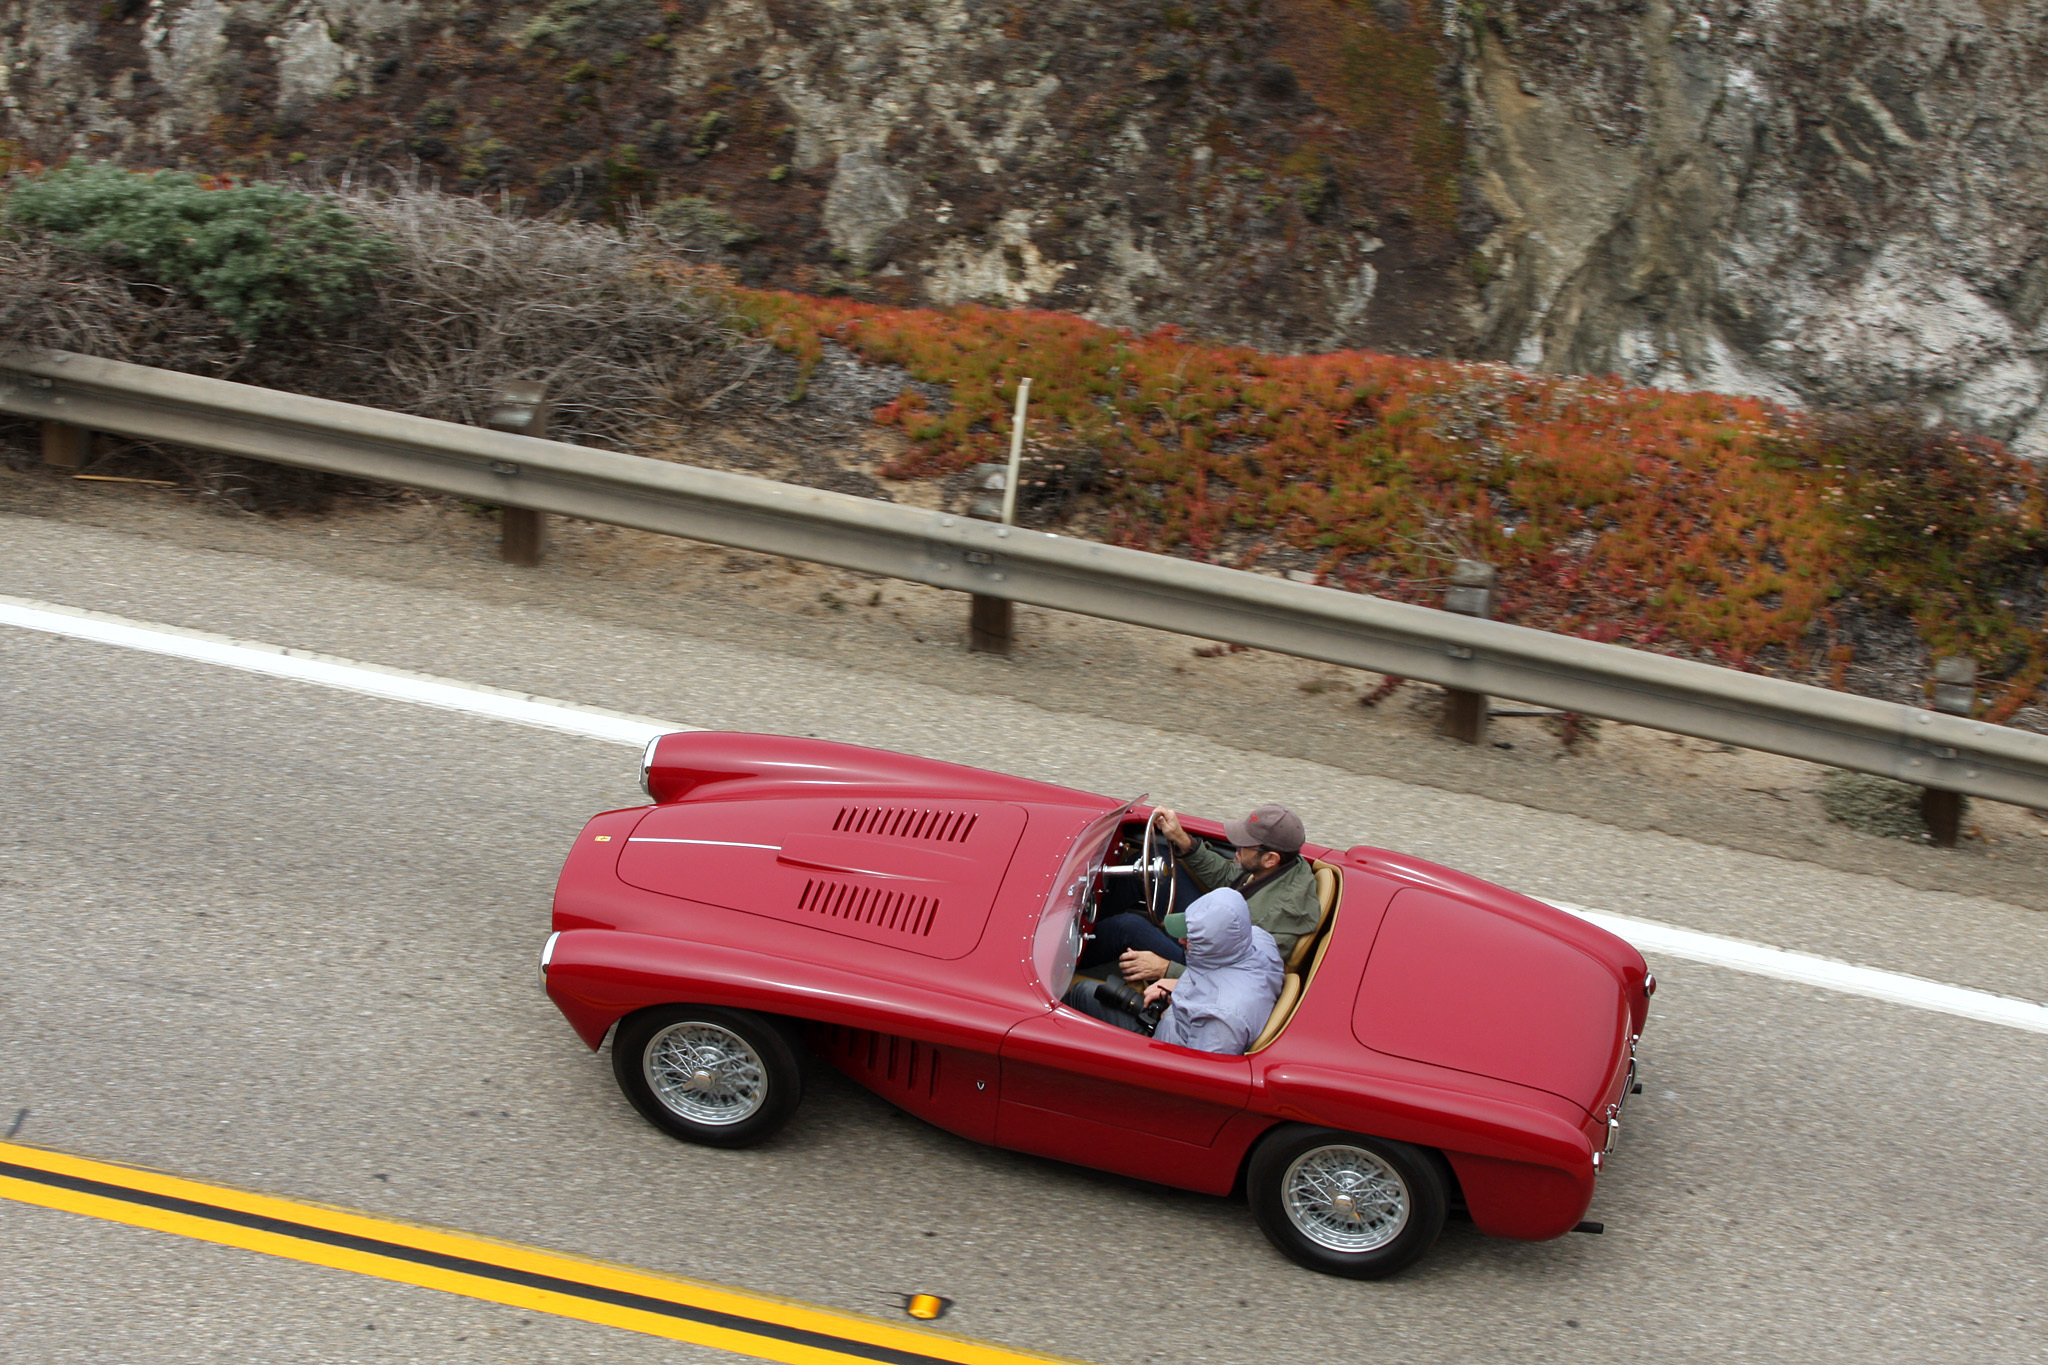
(1441, 1045)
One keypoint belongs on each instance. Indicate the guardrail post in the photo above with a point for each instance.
(521, 407)
(991, 621)
(66, 446)
(991, 625)
(1955, 692)
(1470, 594)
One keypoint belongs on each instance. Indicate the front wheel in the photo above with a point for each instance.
(1343, 1204)
(720, 1077)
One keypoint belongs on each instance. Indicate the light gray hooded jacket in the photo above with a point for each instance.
(1232, 980)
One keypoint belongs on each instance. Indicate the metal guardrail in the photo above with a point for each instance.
(1923, 747)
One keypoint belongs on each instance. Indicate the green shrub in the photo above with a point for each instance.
(266, 258)
(1873, 805)
(1943, 525)
(693, 221)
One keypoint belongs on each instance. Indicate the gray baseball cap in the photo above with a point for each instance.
(1274, 827)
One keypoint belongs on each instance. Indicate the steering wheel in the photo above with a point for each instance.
(1157, 882)
(1090, 908)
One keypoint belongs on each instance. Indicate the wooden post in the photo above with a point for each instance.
(1470, 594)
(66, 446)
(991, 625)
(522, 409)
(522, 536)
(1955, 692)
(1942, 811)
(1464, 715)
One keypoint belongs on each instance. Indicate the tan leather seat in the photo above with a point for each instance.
(1329, 887)
(1329, 890)
(1283, 1009)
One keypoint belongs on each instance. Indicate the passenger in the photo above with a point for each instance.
(1223, 999)
(1266, 868)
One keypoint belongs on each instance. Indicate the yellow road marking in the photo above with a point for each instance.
(481, 1268)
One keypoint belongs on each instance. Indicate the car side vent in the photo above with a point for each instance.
(897, 822)
(897, 910)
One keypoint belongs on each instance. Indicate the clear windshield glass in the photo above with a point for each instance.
(1057, 945)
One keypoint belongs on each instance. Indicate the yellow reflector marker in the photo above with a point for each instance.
(926, 1306)
(481, 1268)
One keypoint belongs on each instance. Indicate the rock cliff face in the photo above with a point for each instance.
(1839, 201)
(1816, 200)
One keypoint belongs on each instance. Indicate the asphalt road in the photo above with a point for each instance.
(282, 938)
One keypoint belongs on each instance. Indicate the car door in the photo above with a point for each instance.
(1079, 1090)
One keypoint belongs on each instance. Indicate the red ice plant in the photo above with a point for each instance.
(1716, 525)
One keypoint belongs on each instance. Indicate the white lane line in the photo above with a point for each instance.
(397, 684)
(1668, 939)
(393, 684)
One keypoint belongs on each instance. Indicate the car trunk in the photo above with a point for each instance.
(1455, 985)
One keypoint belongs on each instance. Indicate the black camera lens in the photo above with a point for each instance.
(1119, 996)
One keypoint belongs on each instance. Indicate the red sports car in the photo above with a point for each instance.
(1441, 1044)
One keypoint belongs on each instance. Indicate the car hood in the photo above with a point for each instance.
(1458, 985)
(920, 876)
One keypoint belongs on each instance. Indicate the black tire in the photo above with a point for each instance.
(755, 1082)
(1361, 1240)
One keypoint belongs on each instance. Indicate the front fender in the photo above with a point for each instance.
(598, 976)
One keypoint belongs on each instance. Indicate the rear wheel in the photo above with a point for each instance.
(720, 1077)
(1343, 1204)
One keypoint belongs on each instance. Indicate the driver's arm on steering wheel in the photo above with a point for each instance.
(1168, 824)
(1138, 966)
(1207, 868)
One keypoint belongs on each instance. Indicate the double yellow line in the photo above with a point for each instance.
(480, 1268)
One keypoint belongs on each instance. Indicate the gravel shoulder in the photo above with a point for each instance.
(1615, 775)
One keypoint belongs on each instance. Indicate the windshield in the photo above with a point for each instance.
(1068, 911)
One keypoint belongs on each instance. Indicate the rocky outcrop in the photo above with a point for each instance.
(1817, 200)
(1833, 202)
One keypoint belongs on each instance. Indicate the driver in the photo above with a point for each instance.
(1266, 868)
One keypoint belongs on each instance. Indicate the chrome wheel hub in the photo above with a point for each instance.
(1345, 1198)
(705, 1073)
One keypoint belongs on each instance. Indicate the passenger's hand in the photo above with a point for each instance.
(1139, 966)
(1168, 823)
(1160, 989)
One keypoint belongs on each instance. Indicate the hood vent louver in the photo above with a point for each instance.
(896, 822)
(896, 910)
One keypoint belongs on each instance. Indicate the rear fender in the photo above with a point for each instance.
(1450, 1120)
(1525, 1172)
(1521, 1199)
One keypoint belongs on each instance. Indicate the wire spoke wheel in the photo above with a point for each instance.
(705, 1073)
(1345, 1203)
(1346, 1198)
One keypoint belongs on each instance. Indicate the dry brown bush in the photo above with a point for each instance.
(620, 328)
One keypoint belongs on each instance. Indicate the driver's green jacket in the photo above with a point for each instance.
(1285, 907)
